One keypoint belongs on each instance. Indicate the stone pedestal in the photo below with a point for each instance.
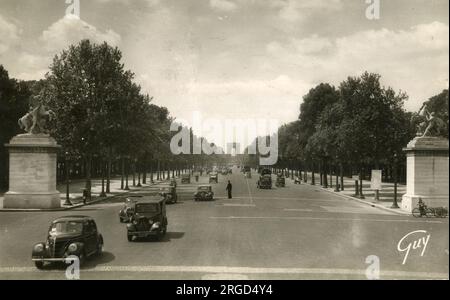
(427, 173)
(32, 172)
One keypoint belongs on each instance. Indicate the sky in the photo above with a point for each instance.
(239, 59)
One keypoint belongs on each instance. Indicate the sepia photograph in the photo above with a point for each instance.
(236, 141)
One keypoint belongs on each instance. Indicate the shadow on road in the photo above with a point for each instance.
(167, 238)
(104, 258)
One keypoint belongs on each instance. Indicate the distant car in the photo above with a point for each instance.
(281, 181)
(169, 193)
(265, 179)
(186, 178)
(204, 193)
(149, 218)
(213, 177)
(297, 180)
(67, 236)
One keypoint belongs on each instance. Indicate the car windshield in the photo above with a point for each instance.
(266, 172)
(67, 227)
(147, 208)
(203, 188)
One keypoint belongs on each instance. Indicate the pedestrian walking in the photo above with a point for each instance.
(229, 188)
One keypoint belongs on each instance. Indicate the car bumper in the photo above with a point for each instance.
(144, 233)
(49, 259)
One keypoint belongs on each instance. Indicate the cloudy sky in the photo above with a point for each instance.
(240, 58)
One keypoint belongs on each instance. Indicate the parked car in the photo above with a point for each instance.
(186, 178)
(149, 218)
(281, 181)
(67, 236)
(204, 193)
(169, 193)
(213, 177)
(297, 180)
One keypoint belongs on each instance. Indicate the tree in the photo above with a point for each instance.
(14, 103)
(82, 89)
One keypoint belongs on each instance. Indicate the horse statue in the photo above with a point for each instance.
(431, 125)
(36, 120)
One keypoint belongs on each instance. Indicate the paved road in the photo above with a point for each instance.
(296, 232)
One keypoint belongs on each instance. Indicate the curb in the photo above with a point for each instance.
(73, 206)
(395, 211)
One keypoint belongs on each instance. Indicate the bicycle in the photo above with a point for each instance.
(423, 210)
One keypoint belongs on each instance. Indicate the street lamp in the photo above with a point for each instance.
(66, 163)
(394, 204)
(336, 188)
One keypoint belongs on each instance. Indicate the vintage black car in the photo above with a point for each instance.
(213, 177)
(265, 179)
(169, 193)
(186, 178)
(173, 182)
(281, 181)
(204, 193)
(68, 236)
(149, 218)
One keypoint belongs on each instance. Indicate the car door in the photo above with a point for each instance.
(90, 237)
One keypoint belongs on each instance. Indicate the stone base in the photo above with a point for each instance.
(32, 172)
(37, 201)
(409, 202)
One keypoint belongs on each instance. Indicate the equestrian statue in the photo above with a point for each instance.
(36, 120)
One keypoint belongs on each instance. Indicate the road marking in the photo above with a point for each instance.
(237, 204)
(249, 192)
(290, 198)
(226, 276)
(355, 210)
(326, 219)
(233, 270)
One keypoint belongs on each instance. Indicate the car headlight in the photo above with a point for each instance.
(135, 222)
(72, 247)
(155, 225)
(39, 248)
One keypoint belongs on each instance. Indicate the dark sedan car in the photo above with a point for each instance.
(68, 236)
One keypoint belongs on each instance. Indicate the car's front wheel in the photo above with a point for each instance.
(81, 258)
(39, 264)
(130, 238)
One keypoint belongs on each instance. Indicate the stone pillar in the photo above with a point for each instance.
(32, 172)
(427, 173)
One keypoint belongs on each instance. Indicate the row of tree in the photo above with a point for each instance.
(104, 123)
(352, 129)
